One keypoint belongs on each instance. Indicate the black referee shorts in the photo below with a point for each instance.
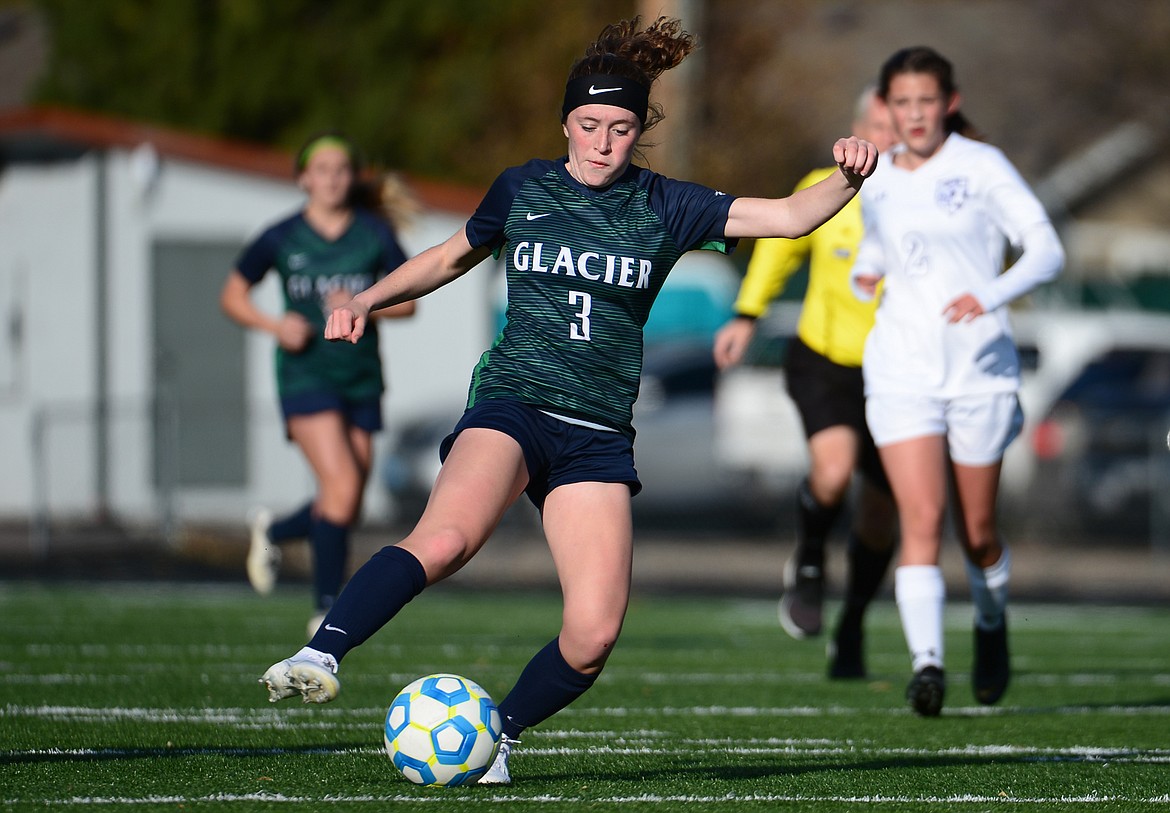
(828, 394)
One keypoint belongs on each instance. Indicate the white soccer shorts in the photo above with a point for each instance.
(978, 428)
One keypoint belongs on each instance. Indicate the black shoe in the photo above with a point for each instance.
(926, 690)
(845, 653)
(992, 664)
(800, 606)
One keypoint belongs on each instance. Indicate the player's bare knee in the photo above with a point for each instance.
(924, 521)
(339, 500)
(587, 650)
(441, 552)
(983, 545)
(829, 481)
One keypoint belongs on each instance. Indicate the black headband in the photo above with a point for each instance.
(606, 89)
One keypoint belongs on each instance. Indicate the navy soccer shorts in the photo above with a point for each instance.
(556, 452)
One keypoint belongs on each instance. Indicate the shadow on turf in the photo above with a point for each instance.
(115, 754)
(682, 773)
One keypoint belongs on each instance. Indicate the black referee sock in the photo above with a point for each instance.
(380, 588)
(867, 570)
(293, 526)
(814, 523)
(546, 686)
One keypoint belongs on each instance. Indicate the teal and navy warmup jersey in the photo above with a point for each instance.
(310, 267)
(583, 268)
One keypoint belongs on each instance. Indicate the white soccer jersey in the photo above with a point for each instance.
(938, 232)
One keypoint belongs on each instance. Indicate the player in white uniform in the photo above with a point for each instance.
(941, 369)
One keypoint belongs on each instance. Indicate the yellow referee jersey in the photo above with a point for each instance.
(833, 322)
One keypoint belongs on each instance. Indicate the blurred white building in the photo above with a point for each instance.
(125, 393)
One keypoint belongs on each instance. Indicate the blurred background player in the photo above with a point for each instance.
(941, 369)
(823, 376)
(587, 240)
(330, 395)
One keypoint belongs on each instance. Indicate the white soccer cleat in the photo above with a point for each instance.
(498, 774)
(309, 673)
(263, 556)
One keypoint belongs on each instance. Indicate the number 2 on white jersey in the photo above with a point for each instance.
(917, 257)
(580, 329)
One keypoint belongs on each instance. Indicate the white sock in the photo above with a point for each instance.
(920, 592)
(989, 587)
(317, 656)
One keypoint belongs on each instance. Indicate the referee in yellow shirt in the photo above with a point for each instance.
(823, 375)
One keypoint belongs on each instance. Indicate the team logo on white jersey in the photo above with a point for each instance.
(951, 194)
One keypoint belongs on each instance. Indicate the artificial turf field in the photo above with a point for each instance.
(144, 697)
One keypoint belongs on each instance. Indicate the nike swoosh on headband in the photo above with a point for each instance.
(594, 90)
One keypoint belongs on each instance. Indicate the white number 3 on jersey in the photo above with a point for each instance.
(580, 329)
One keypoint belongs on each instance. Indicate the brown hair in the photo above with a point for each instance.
(385, 194)
(641, 55)
(921, 59)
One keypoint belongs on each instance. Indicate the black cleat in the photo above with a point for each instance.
(926, 690)
(800, 606)
(992, 664)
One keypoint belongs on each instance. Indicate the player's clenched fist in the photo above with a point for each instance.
(347, 323)
(856, 158)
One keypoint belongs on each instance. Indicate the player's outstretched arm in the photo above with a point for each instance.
(418, 276)
(803, 211)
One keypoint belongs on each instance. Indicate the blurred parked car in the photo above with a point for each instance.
(687, 477)
(759, 436)
(1095, 441)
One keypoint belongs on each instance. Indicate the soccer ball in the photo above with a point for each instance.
(442, 730)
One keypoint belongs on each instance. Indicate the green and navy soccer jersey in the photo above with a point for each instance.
(583, 269)
(310, 268)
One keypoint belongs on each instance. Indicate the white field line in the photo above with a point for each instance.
(293, 714)
(845, 711)
(232, 674)
(643, 799)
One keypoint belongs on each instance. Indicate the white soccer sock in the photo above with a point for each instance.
(317, 656)
(989, 587)
(920, 592)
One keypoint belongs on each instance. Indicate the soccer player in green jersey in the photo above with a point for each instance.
(330, 395)
(587, 241)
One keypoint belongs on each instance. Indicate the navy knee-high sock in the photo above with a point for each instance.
(380, 588)
(292, 526)
(330, 543)
(546, 686)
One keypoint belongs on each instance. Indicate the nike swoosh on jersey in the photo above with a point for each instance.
(594, 90)
(332, 628)
(531, 216)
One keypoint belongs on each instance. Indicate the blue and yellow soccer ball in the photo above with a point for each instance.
(442, 730)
